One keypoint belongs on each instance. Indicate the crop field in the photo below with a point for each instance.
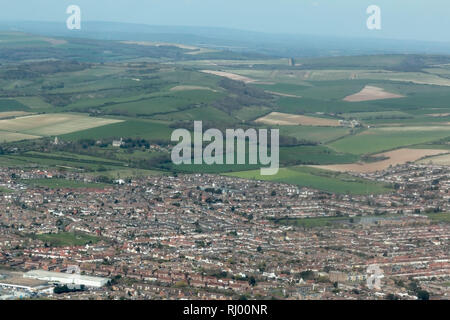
(317, 179)
(289, 156)
(13, 39)
(166, 103)
(382, 139)
(277, 118)
(58, 162)
(197, 113)
(231, 63)
(396, 157)
(35, 104)
(12, 105)
(133, 128)
(293, 76)
(53, 124)
(414, 77)
(230, 75)
(315, 134)
(144, 91)
(6, 136)
(13, 114)
(380, 115)
(250, 113)
(313, 155)
(190, 88)
(370, 93)
(295, 90)
(442, 160)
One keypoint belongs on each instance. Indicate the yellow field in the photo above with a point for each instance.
(6, 136)
(443, 160)
(277, 118)
(52, 124)
(230, 75)
(370, 93)
(9, 114)
(396, 157)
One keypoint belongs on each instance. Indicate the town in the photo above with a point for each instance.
(204, 236)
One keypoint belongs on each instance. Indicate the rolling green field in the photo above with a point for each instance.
(383, 139)
(197, 114)
(153, 130)
(318, 179)
(380, 115)
(315, 134)
(93, 92)
(12, 105)
(6, 136)
(314, 155)
(36, 126)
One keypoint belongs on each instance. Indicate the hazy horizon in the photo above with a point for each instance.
(400, 20)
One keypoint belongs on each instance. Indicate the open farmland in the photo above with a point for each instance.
(393, 158)
(129, 128)
(318, 179)
(155, 92)
(12, 114)
(189, 88)
(277, 118)
(53, 124)
(440, 160)
(370, 93)
(6, 136)
(230, 75)
(381, 139)
(315, 134)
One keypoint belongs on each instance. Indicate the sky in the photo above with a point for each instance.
(400, 19)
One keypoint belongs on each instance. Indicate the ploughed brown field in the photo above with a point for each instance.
(370, 93)
(286, 119)
(396, 157)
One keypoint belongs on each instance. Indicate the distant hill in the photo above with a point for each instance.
(281, 45)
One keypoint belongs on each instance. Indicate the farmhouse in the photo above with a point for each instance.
(350, 123)
(118, 143)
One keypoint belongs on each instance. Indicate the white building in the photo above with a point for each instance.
(66, 278)
(118, 143)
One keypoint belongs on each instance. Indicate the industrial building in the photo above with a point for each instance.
(66, 278)
(14, 286)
